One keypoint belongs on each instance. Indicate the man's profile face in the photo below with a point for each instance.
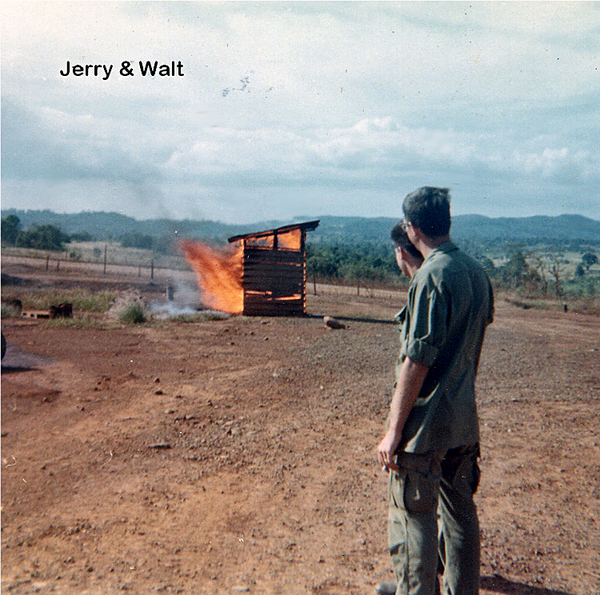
(406, 262)
(401, 261)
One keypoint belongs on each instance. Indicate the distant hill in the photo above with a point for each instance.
(106, 226)
(530, 229)
(473, 227)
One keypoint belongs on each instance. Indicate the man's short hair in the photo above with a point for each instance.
(428, 209)
(399, 237)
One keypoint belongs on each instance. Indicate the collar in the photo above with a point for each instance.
(444, 248)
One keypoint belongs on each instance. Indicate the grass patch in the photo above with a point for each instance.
(130, 308)
(83, 300)
(10, 310)
(132, 314)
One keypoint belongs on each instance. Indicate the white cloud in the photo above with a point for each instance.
(293, 97)
(558, 162)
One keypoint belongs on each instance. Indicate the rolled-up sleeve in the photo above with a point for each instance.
(428, 324)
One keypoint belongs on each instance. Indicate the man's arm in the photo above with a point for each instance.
(410, 380)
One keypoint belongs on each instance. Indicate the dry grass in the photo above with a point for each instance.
(82, 299)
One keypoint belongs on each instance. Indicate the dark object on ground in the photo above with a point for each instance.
(61, 311)
(16, 304)
(386, 589)
(12, 280)
(333, 323)
(390, 588)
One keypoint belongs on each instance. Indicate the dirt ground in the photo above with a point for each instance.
(238, 455)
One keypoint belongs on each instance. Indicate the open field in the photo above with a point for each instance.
(238, 455)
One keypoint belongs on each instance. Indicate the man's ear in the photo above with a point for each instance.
(418, 234)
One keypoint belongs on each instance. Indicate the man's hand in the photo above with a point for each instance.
(410, 380)
(385, 452)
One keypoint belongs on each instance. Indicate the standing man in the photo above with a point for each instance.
(431, 446)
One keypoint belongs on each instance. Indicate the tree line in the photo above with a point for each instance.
(40, 237)
(540, 270)
(530, 271)
(548, 273)
(51, 237)
(365, 264)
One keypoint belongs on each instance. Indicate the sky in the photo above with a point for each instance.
(293, 110)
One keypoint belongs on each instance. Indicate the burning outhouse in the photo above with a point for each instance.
(274, 270)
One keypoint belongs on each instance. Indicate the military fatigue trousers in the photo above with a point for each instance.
(432, 516)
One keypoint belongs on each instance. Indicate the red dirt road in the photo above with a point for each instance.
(239, 455)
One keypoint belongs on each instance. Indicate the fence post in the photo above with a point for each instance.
(105, 250)
(152, 269)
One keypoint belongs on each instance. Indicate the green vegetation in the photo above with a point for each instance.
(9, 310)
(11, 228)
(545, 272)
(39, 237)
(535, 258)
(366, 264)
(570, 230)
(129, 309)
(163, 244)
(548, 272)
(132, 314)
(83, 300)
(589, 259)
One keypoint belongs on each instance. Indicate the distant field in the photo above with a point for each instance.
(94, 253)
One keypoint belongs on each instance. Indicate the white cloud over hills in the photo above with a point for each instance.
(288, 109)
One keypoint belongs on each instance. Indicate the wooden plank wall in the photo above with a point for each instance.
(274, 282)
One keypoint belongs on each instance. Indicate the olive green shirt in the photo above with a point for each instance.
(450, 304)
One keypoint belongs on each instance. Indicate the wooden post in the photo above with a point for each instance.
(105, 250)
(304, 271)
(243, 275)
(152, 268)
(47, 261)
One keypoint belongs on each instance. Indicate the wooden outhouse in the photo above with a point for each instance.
(274, 270)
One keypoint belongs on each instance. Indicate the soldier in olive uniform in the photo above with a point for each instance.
(431, 446)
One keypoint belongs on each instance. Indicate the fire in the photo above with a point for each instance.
(219, 274)
(292, 239)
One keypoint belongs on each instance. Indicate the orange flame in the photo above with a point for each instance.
(219, 274)
(290, 239)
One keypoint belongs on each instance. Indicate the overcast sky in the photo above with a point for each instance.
(289, 110)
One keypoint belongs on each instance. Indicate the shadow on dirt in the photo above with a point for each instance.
(498, 584)
(357, 319)
(15, 360)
